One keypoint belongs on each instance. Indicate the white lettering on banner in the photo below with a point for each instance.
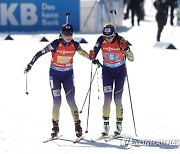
(49, 16)
(47, 7)
(7, 14)
(46, 22)
(28, 14)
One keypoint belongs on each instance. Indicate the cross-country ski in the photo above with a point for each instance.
(101, 138)
(115, 136)
(52, 138)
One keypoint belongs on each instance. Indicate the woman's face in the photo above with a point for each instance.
(67, 36)
(109, 38)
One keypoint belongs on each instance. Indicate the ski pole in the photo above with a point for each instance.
(99, 64)
(88, 90)
(89, 99)
(130, 98)
(26, 85)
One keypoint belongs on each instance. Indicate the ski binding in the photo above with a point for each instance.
(78, 139)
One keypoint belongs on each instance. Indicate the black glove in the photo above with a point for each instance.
(28, 68)
(96, 61)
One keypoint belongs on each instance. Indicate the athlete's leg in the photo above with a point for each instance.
(119, 84)
(107, 89)
(70, 94)
(55, 85)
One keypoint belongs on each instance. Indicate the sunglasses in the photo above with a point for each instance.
(67, 33)
(109, 37)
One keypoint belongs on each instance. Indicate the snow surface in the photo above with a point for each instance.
(154, 84)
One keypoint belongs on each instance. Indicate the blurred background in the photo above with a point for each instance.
(48, 15)
(86, 16)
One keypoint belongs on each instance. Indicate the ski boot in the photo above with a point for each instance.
(55, 129)
(106, 126)
(118, 126)
(78, 128)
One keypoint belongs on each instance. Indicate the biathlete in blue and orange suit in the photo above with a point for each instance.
(114, 50)
(61, 73)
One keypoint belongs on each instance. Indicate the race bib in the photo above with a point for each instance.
(112, 56)
(63, 59)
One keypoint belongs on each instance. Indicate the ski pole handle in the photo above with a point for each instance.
(67, 17)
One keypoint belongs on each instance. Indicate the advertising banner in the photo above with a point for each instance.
(37, 15)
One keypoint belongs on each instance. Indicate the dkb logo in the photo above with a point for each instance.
(27, 14)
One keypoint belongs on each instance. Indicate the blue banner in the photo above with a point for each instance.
(37, 15)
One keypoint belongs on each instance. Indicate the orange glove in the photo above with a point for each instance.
(123, 44)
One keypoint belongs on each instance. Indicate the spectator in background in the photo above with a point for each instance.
(135, 8)
(142, 11)
(161, 15)
(172, 4)
(126, 5)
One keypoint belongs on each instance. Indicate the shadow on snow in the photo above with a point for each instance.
(124, 143)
